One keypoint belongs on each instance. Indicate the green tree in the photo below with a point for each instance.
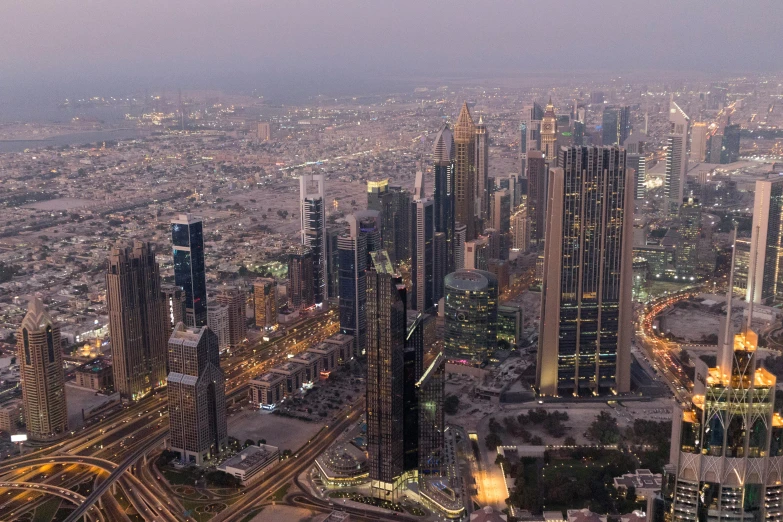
(451, 404)
(492, 441)
(604, 429)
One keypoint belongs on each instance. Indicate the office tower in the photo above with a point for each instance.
(333, 261)
(501, 220)
(137, 320)
(264, 131)
(730, 147)
(520, 230)
(187, 238)
(439, 265)
(301, 271)
(536, 196)
(765, 283)
(549, 133)
(413, 362)
(741, 265)
(197, 396)
(431, 393)
(676, 158)
(698, 142)
(42, 380)
(596, 98)
(354, 247)
(716, 97)
(482, 171)
(477, 253)
(636, 159)
(714, 147)
(236, 300)
(443, 170)
(465, 172)
(460, 232)
(423, 258)
(530, 133)
(471, 313)
(265, 303)
(393, 204)
(312, 202)
(690, 231)
(615, 125)
(386, 329)
(401, 204)
(218, 323)
(174, 307)
(511, 321)
(586, 312)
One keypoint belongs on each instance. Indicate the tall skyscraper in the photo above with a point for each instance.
(439, 265)
(432, 425)
(501, 220)
(413, 362)
(482, 171)
(478, 253)
(301, 271)
(174, 302)
(218, 323)
(530, 133)
(265, 303)
(676, 158)
(471, 312)
(386, 328)
(460, 233)
(137, 320)
(636, 159)
(236, 300)
(423, 255)
(549, 132)
(197, 396)
(312, 202)
(730, 148)
(698, 142)
(520, 230)
(615, 125)
(333, 261)
(393, 204)
(465, 172)
(536, 196)
(586, 312)
(765, 283)
(443, 170)
(687, 250)
(187, 237)
(41, 374)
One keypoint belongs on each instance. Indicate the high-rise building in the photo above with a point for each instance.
(187, 238)
(636, 159)
(687, 250)
(465, 172)
(174, 303)
(137, 320)
(520, 230)
(386, 329)
(471, 313)
(536, 196)
(312, 200)
(431, 393)
(549, 132)
(765, 282)
(460, 232)
(333, 261)
(423, 255)
(698, 142)
(730, 148)
(676, 158)
(482, 171)
(439, 265)
(264, 131)
(41, 375)
(265, 303)
(393, 204)
(530, 133)
(586, 312)
(236, 300)
(477, 253)
(413, 363)
(615, 125)
(501, 220)
(197, 396)
(443, 170)
(218, 323)
(301, 271)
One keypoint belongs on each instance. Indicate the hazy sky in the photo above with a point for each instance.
(110, 44)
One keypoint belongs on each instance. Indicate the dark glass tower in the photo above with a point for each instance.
(393, 204)
(423, 255)
(471, 312)
(313, 221)
(465, 172)
(536, 195)
(187, 237)
(730, 147)
(443, 170)
(615, 125)
(413, 363)
(301, 268)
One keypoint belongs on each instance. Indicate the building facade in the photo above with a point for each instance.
(265, 303)
(312, 202)
(465, 172)
(235, 299)
(676, 158)
(423, 255)
(301, 270)
(765, 283)
(471, 315)
(187, 237)
(443, 196)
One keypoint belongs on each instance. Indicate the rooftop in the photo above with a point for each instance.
(250, 456)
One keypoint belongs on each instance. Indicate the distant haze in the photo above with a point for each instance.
(113, 46)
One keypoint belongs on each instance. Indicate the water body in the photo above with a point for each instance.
(78, 138)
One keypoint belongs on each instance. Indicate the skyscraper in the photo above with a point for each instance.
(313, 208)
(423, 255)
(501, 220)
(465, 172)
(676, 158)
(439, 265)
(443, 170)
(615, 124)
(393, 204)
(477, 253)
(549, 133)
(265, 302)
(765, 283)
(333, 261)
(536, 196)
(431, 388)
(482, 171)
(471, 312)
(687, 250)
(174, 302)
(236, 300)
(41, 375)
(218, 323)
(301, 271)
(636, 159)
(413, 362)
(520, 230)
(460, 232)
(197, 396)
(530, 133)
(698, 142)
(586, 321)
(187, 237)
(386, 328)
(730, 148)
(137, 320)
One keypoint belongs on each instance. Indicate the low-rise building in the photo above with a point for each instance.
(267, 389)
(328, 353)
(311, 363)
(584, 515)
(344, 343)
(343, 465)
(10, 416)
(645, 483)
(96, 375)
(294, 376)
(251, 463)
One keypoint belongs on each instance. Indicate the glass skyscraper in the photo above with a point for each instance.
(187, 237)
(471, 312)
(443, 170)
(313, 223)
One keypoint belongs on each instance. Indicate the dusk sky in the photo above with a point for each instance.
(209, 43)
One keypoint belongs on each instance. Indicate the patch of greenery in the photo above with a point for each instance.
(280, 494)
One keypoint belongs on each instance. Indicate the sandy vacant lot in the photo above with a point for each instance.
(283, 432)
